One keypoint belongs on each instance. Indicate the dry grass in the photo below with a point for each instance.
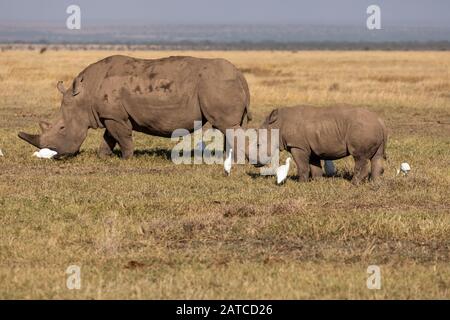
(145, 228)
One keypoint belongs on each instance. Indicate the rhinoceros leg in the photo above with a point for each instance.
(376, 164)
(301, 159)
(122, 132)
(224, 104)
(106, 145)
(315, 167)
(376, 168)
(361, 169)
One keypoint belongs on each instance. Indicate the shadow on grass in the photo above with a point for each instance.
(254, 175)
(343, 174)
(157, 152)
(347, 175)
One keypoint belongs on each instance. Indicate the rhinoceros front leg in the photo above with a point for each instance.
(106, 145)
(122, 132)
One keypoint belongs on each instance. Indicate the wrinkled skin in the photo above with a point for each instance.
(313, 134)
(122, 94)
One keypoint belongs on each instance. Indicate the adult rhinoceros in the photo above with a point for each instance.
(122, 94)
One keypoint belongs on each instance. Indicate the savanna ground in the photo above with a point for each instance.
(146, 228)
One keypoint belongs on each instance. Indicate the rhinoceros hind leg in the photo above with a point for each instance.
(361, 170)
(301, 159)
(122, 132)
(376, 168)
(315, 168)
(106, 145)
(376, 164)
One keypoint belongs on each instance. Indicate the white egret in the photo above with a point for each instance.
(282, 171)
(227, 162)
(1, 153)
(404, 168)
(45, 153)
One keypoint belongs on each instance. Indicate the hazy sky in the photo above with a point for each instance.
(322, 12)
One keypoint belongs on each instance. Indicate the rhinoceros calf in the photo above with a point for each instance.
(312, 134)
(156, 97)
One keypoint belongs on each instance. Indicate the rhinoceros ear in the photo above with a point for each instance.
(60, 87)
(273, 116)
(76, 85)
(44, 125)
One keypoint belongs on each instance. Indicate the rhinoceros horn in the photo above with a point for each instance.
(34, 139)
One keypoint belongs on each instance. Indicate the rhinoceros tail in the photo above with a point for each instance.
(247, 114)
(385, 138)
